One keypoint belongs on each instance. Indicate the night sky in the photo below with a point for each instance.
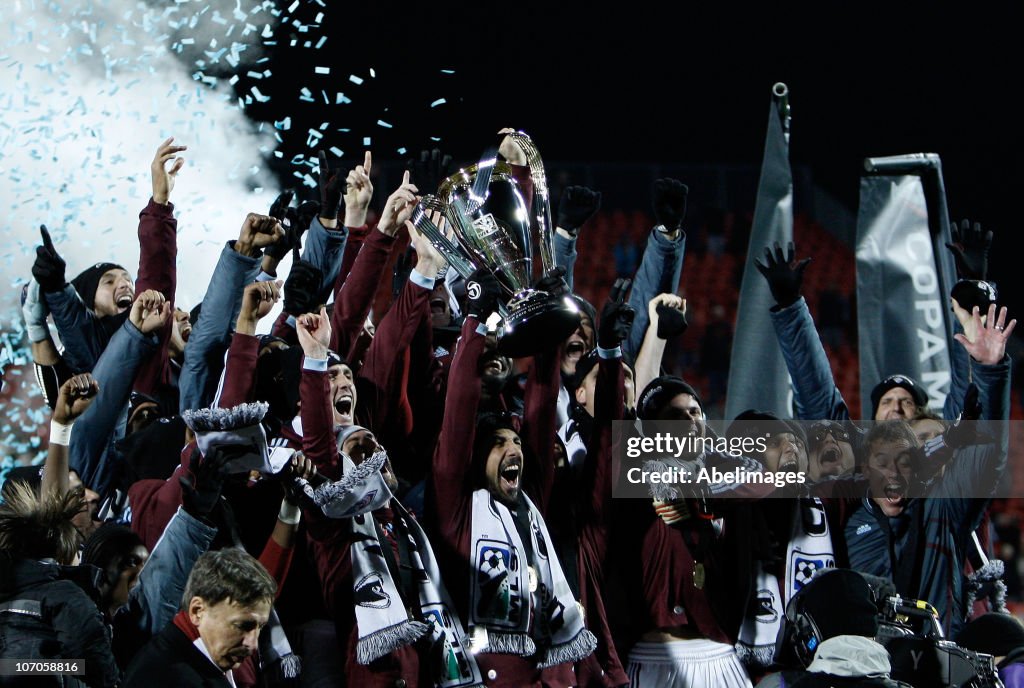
(674, 86)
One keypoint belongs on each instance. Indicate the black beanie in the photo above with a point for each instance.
(659, 392)
(752, 422)
(587, 309)
(87, 281)
(839, 602)
(993, 633)
(916, 391)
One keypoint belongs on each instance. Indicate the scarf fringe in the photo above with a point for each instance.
(510, 644)
(761, 656)
(241, 416)
(388, 640)
(660, 491)
(353, 480)
(991, 573)
(576, 649)
(291, 666)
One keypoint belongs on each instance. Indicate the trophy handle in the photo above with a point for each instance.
(541, 198)
(437, 238)
(451, 252)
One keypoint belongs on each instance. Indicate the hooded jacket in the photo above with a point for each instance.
(43, 615)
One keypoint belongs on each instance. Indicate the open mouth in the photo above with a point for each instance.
(186, 330)
(437, 306)
(830, 457)
(124, 300)
(895, 492)
(343, 405)
(510, 475)
(575, 349)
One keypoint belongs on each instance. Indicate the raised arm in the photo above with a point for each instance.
(353, 301)
(237, 266)
(577, 205)
(74, 397)
(76, 324)
(238, 385)
(662, 263)
(318, 441)
(129, 348)
(158, 256)
(666, 315)
(453, 455)
(382, 391)
(815, 394)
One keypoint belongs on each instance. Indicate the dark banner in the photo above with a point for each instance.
(758, 378)
(904, 276)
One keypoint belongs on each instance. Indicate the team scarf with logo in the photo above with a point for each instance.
(520, 602)
(387, 618)
(808, 551)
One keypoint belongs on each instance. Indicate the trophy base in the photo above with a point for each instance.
(536, 321)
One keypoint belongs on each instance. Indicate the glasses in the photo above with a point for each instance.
(819, 431)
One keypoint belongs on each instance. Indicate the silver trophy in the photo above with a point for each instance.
(492, 228)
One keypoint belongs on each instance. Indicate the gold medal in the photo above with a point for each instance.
(698, 575)
(533, 578)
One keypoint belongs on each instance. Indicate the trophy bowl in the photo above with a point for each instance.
(492, 227)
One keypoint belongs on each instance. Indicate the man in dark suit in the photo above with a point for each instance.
(227, 602)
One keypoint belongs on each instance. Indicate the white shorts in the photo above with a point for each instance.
(686, 664)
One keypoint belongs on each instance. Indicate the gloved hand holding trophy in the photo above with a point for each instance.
(493, 229)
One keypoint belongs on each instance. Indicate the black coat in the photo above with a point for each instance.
(171, 660)
(47, 616)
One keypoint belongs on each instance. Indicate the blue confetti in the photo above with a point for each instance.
(366, 140)
(439, 101)
(354, 79)
(382, 123)
(323, 70)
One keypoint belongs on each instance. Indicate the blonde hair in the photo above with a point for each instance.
(40, 527)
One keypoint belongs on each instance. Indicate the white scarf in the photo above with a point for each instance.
(808, 550)
(384, 619)
(520, 602)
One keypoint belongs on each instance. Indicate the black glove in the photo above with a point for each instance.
(200, 494)
(279, 209)
(616, 316)
(332, 187)
(429, 170)
(554, 282)
(671, 321)
(482, 292)
(670, 203)
(965, 430)
(970, 250)
(784, 277)
(48, 270)
(577, 205)
(302, 289)
(302, 217)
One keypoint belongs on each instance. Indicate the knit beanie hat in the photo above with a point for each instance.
(87, 281)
